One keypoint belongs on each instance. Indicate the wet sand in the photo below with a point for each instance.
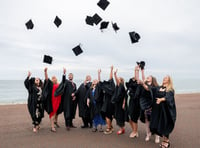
(16, 130)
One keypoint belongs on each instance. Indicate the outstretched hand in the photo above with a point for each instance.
(112, 67)
(64, 71)
(45, 70)
(99, 71)
(29, 73)
(115, 72)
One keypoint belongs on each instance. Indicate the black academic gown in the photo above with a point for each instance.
(72, 89)
(146, 101)
(133, 106)
(81, 96)
(65, 91)
(118, 98)
(34, 101)
(47, 95)
(95, 109)
(108, 88)
(163, 115)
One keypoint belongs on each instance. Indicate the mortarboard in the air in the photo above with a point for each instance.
(57, 21)
(77, 50)
(115, 27)
(89, 20)
(134, 36)
(103, 4)
(96, 19)
(47, 59)
(141, 64)
(29, 24)
(104, 25)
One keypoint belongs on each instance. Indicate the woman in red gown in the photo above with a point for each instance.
(52, 103)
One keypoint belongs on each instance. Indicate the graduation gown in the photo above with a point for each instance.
(163, 115)
(133, 105)
(51, 103)
(119, 97)
(96, 101)
(81, 97)
(35, 106)
(108, 88)
(65, 91)
(72, 89)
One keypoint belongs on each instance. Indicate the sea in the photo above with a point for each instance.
(14, 92)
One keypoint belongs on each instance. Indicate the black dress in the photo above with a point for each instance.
(118, 98)
(163, 115)
(35, 105)
(133, 106)
(108, 88)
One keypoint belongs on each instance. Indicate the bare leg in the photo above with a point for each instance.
(52, 123)
(147, 130)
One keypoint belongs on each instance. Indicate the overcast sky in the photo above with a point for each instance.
(169, 44)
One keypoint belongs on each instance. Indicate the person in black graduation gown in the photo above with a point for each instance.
(95, 102)
(51, 103)
(35, 105)
(163, 115)
(107, 111)
(119, 100)
(65, 89)
(81, 97)
(132, 103)
(72, 88)
(146, 100)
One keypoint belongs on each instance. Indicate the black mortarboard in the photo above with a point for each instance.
(104, 25)
(103, 4)
(115, 27)
(57, 21)
(29, 24)
(77, 50)
(96, 19)
(134, 37)
(89, 20)
(141, 64)
(47, 59)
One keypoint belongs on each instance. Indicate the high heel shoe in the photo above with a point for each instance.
(133, 135)
(165, 144)
(148, 137)
(121, 132)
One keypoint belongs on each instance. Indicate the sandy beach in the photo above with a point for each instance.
(16, 130)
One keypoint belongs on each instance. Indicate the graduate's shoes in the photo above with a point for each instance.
(53, 129)
(56, 124)
(157, 139)
(94, 129)
(133, 135)
(108, 131)
(84, 126)
(148, 136)
(165, 144)
(120, 132)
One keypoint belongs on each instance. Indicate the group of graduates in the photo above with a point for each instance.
(99, 102)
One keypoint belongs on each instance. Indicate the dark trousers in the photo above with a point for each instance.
(87, 121)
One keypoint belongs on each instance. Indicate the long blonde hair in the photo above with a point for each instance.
(170, 86)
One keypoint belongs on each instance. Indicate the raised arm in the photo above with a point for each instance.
(26, 82)
(99, 75)
(137, 73)
(116, 78)
(111, 72)
(45, 74)
(143, 76)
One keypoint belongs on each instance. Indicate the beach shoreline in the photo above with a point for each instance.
(16, 129)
